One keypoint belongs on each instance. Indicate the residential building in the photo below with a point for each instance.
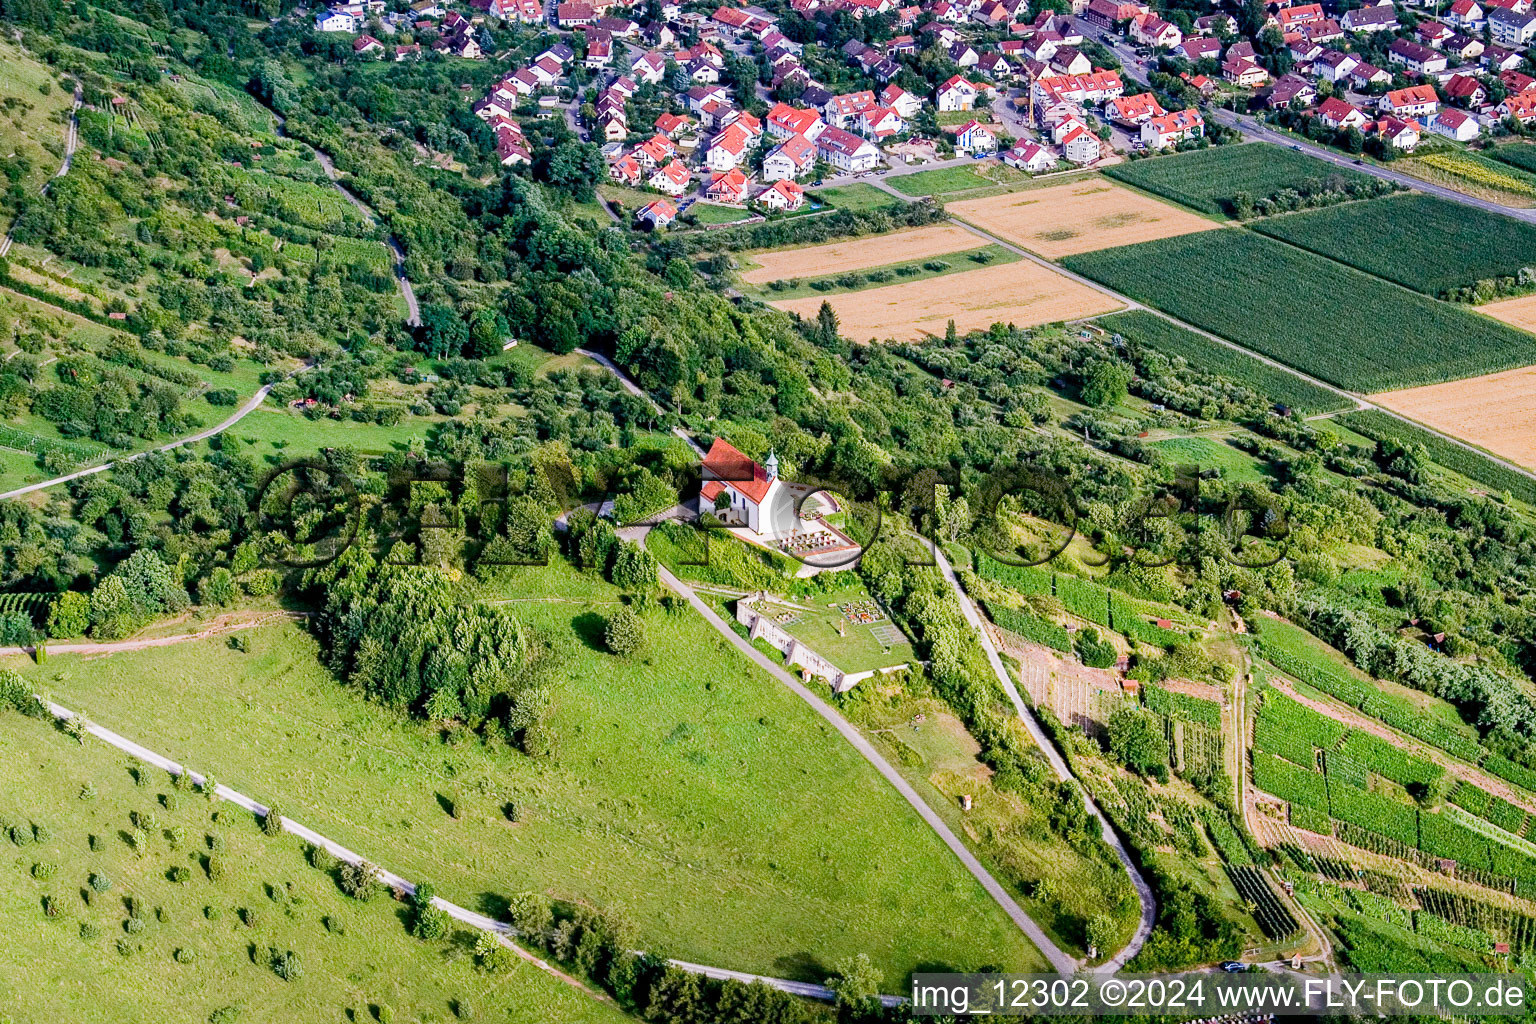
(782, 195)
(1414, 101)
(1455, 124)
(727, 187)
(672, 179)
(1337, 113)
(1027, 156)
(846, 151)
(975, 137)
(1510, 28)
(1519, 105)
(1334, 65)
(1365, 20)
(1150, 30)
(955, 94)
(1172, 128)
(1417, 58)
(785, 121)
(656, 214)
(792, 158)
(1132, 111)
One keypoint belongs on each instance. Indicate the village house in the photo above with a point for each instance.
(654, 152)
(1079, 145)
(1432, 33)
(575, 14)
(1498, 58)
(674, 126)
(975, 137)
(1414, 101)
(1365, 20)
(1170, 129)
(1334, 66)
(1466, 90)
(846, 151)
(906, 104)
(879, 123)
(625, 170)
(1455, 124)
(673, 179)
(1199, 48)
(1364, 75)
(1093, 88)
(656, 214)
(1417, 58)
(955, 94)
(649, 67)
(1150, 30)
(1467, 15)
(841, 111)
(782, 195)
(1519, 105)
(366, 45)
(1291, 19)
(1133, 111)
(1398, 133)
(1027, 156)
(727, 187)
(337, 20)
(792, 158)
(1337, 113)
(1244, 72)
(1068, 60)
(1289, 88)
(784, 121)
(1510, 28)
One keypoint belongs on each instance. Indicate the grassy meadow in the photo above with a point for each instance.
(687, 790)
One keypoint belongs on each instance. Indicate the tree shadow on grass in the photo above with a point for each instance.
(801, 967)
(589, 626)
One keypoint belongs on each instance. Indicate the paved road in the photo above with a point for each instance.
(253, 403)
(1058, 958)
(639, 392)
(413, 311)
(1144, 895)
(503, 932)
(71, 142)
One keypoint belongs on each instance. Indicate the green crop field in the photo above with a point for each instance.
(1234, 364)
(1346, 327)
(1418, 241)
(892, 273)
(1516, 154)
(687, 790)
(358, 961)
(1207, 179)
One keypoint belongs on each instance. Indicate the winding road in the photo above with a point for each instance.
(1058, 958)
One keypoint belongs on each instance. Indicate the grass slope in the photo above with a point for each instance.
(367, 961)
(1213, 357)
(687, 790)
(32, 123)
(1334, 322)
(1207, 179)
(1418, 241)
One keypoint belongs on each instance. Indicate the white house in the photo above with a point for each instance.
(1454, 124)
(1171, 128)
(956, 94)
(334, 20)
(846, 151)
(792, 158)
(672, 179)
(1027, 156)
(975, 137)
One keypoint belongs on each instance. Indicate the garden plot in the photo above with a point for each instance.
(1023, 294)
(1080, 217)
(1461, 408)
(859, 253)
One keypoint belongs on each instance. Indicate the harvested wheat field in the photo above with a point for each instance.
(1519, 312)
(1496, 411)
(1021, 293)
(1065, 219)
(860, 253)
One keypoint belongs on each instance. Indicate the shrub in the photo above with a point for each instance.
(183, 955)
(288, 966)
(44, 870)
(134, 925)
(360, 881)
(272, 821)
(321, 859)
(100, 882)
(178, 874)
(624, 633)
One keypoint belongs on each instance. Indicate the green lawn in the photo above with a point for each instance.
(939, 182)
(688, 791)
(1209, 453)
(709, 213)
(857, 197)
(278, 430)
(894, 273)
(356, 956)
